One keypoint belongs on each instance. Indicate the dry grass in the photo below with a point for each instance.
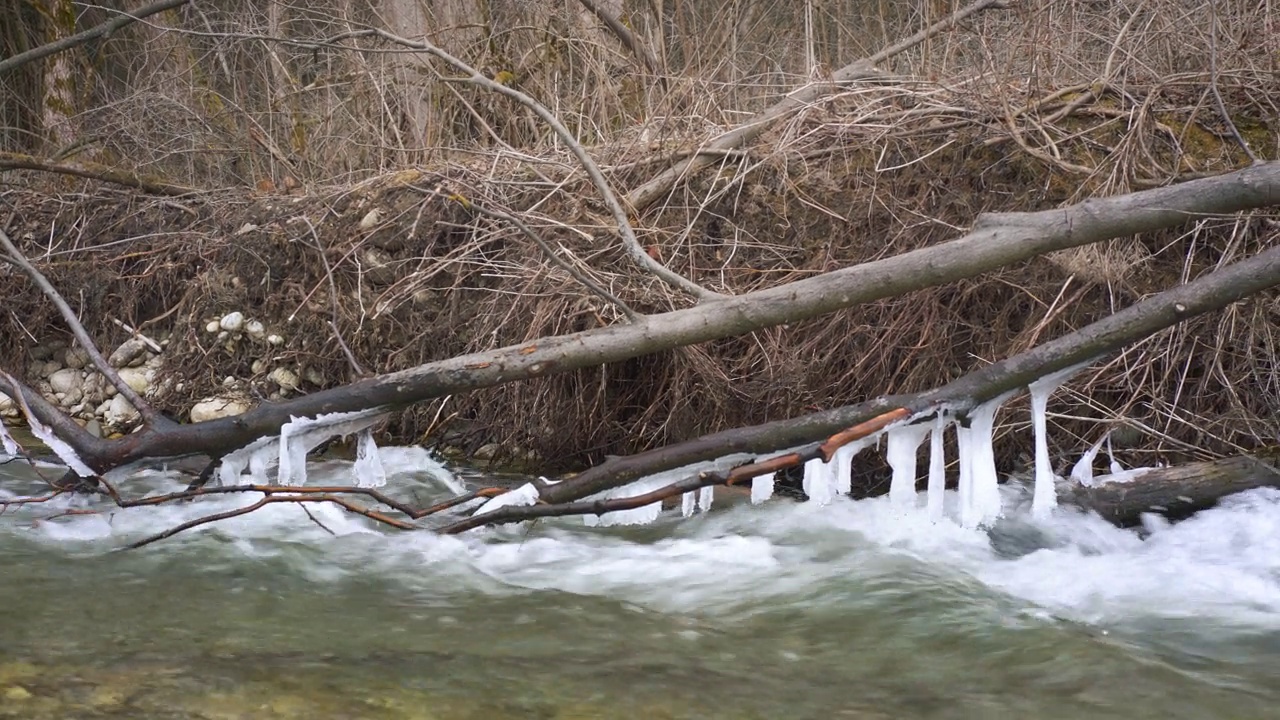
(1021, 110)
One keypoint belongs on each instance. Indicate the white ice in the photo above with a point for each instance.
(636, 516)
(300, 436)
(1044, 498)
(761, 488)
(937, 467)
(706, 495)
(10, 445)
(900, 452)
(688, 503)
(59, 447)
(819, 481)
(979, 484)
(368, 469)
(843, 460)
(1083, 470)
(526, 494)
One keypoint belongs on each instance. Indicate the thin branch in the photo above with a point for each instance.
(333, 300)
(648, 193)
(149, 415)
(629, 240)
(103, 30)
(628, 38)
(551, 254)
(1217, 95)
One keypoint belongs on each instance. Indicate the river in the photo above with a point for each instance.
(784, 610)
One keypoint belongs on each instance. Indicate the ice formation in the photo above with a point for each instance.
(819, 481)
(761, 488)
(979, 483)
(1044, 499)
(60, 448)
(843, 460)
(1083, 470)
(368, 469)
(637, 516)
(688, 503)
(298, 437)
(900, 452)
(526, 494)
(706, 495)
(10, 446)
(937, 467)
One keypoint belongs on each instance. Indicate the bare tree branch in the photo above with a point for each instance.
(94, 171)
(629, 240)
(628, 38)
(648, 193)
(102, 30)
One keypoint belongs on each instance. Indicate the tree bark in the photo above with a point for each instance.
(1177, 492)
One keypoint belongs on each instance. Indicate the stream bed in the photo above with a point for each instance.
(783, 610)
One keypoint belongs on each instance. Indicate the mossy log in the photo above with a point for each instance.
(1178, 492)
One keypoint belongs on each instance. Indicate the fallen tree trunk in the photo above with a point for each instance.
(997, 240)
(1176, 492)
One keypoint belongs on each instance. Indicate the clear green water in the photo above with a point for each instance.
(778, 611)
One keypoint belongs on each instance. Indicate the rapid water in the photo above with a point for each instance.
(784, 610)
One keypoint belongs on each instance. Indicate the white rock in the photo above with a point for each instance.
(214, 408)
(255, 330)
(213, 326)
(313, 375)
(120, 413)
(285, 378)
(245, 229)
(7, 405)
(232, 321)
(50, 368)
(77, 358)
(370, 219)
(130, 350)
(103, 408)
(259, 366)
(139, 379)
(66, 381)
(275, 340)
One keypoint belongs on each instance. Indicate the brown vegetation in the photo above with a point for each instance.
(1022, 109)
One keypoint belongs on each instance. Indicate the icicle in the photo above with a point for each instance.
(1083, 470)
(937, 468)
(705, 497)
(986, 483)
(819, 481)
(300, 436)
(900, 452)
(688, 503)
(526, 494)
(843, 462)
(368, 469)
(761, 488)
(1045, 498)
(1115, 467)
(964, 447)
(258, 456)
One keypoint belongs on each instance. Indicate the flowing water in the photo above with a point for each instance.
(783, 610)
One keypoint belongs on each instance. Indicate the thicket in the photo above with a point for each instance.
(257, 108)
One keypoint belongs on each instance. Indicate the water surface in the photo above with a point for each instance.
(853, 610)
